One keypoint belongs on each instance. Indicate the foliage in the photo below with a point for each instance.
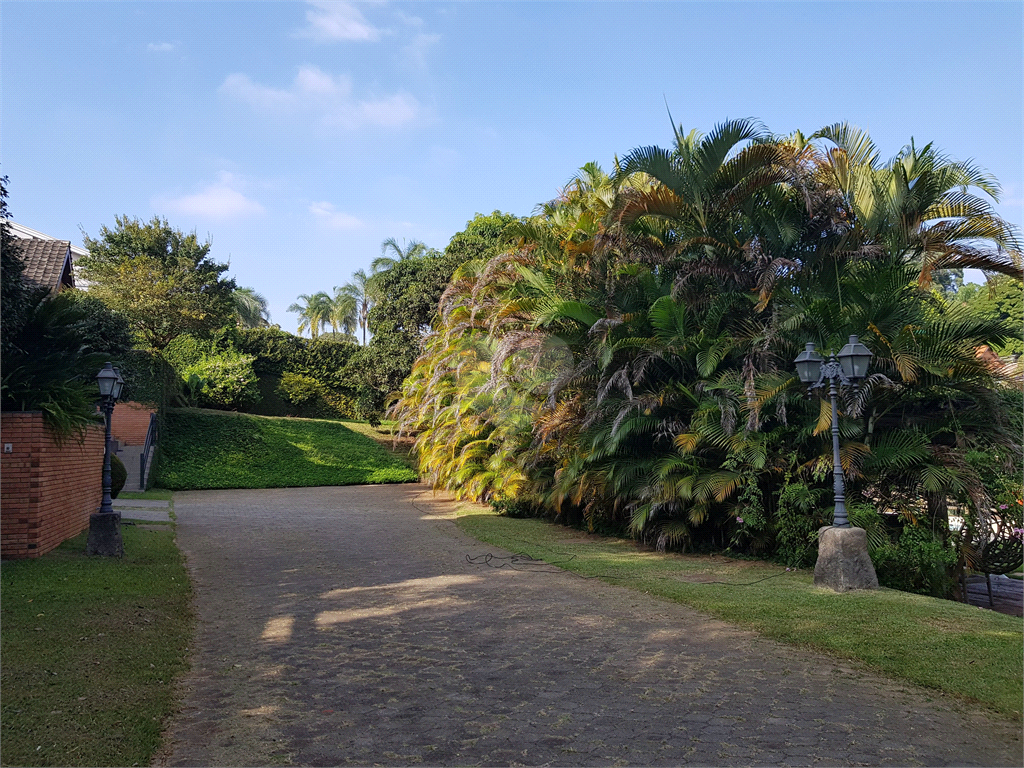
(209, 449)
(100, 328)
(15, 292)
(162, 280)
(918, 562)
(1001, 299)
(309, 398)
(228, 379)
(91, 650)
(250, 308)
(626, 363)
(275, 350)
(48, 369)
(315, 311)
(118, 476)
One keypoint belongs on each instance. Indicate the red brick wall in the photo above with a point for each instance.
(130, 423)
(46, 492)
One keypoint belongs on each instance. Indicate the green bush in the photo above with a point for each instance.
(517, 508)
(186, 351)
(917, 562)
(797, 521)
(229, 380)
(118, 476)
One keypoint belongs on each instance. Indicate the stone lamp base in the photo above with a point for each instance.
(105, 535)
(843, 563)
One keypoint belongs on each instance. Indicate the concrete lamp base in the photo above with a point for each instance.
(843, 562)
(105, 535)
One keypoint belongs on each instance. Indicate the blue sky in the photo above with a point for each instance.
(298, 136)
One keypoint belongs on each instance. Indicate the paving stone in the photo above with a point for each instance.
(355, 601)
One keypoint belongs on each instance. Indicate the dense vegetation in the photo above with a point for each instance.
(207, 449)
(627, 365)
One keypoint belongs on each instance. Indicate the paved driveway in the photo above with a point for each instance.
(345, 625)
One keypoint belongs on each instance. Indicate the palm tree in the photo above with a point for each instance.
(414, 250)
(360, 291)
(344, 311)
(314, 312)
(250, 308)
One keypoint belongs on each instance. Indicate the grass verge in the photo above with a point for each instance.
(959, 649)
(90, 649)
(155, 494)
(214, 449)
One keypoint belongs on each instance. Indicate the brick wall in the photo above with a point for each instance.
(130, 423)
(46, 492)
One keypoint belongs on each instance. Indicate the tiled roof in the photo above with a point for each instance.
(47, 262)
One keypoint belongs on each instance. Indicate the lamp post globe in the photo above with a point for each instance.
(855, 359)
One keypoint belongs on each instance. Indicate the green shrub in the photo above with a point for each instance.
(798, 519)
(186, 351)
(310, 398)
(517, 508)
(118, 476)
(917, 562)
(229, 380)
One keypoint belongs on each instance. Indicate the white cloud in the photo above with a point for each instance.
(324, 97)
(217, 201)
(332, 218)
(330, 21)
(160, 47)
(418, 48)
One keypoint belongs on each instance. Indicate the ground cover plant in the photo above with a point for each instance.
(212, 449)
(947, 646)
(91, 646)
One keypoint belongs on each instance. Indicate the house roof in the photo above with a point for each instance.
(23, 232)
(47, 262)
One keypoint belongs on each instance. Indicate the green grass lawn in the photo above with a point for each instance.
(956, 648)
(91, 646)
(214, 449)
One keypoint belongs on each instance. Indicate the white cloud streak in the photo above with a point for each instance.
(160, 47)
(324, 97)
(334, 219)
(217, 201)
(334, 21)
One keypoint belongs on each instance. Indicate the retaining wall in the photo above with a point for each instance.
(47, 492)
(130, 423)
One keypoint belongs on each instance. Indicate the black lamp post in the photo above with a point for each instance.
(105, 525)
(849, 367)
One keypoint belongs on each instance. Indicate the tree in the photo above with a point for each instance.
(1003, 299)
(15, 293)
(162, 280)
(413, 250)
(250, 308)
(344, 311)
(360, 291)
(314, 312)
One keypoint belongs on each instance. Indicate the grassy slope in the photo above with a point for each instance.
(90, 647)
(956, 648)
(214, 449)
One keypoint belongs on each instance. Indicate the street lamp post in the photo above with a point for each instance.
(105, 525)
(843, 561)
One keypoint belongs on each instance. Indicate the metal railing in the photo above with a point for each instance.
(146, 450)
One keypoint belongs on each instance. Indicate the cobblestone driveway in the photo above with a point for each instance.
(344, 625)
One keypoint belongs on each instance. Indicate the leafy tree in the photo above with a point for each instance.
(162, 280)
(1001, 299)
(15, 293)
